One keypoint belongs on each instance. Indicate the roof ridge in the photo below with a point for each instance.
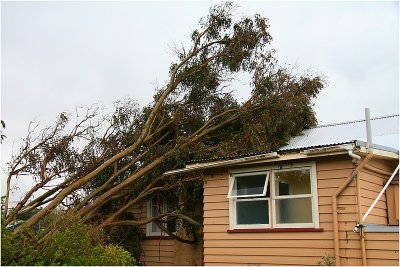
(355, 121)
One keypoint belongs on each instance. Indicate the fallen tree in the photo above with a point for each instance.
(99, 166)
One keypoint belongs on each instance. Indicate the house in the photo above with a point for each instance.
(330, 193)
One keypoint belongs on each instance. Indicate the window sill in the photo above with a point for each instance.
(276, 230)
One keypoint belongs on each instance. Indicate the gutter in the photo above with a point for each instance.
(207, 165)
(266, 158)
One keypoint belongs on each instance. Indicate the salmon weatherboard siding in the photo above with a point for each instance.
(300, 247)
(164, 250)
(381, 248)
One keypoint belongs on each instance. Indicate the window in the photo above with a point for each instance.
(286, 200)
(248, 194)
(154, 208)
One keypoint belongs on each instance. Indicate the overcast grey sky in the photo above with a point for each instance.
(58, 55)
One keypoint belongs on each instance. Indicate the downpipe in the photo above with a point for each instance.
(361, 164)
(360, 222)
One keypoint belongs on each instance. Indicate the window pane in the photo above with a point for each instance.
(155, 210)
(249, 185)
(293, 210)
(252, 212)
(155, 228)
(294, 182)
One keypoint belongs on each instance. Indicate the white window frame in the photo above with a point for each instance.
(313, 196)
(149, 230)
(234, 199)
(232, 183)
(272, 198)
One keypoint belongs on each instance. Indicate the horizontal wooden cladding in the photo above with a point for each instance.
(372, 186)
(215, 198)
(217, 220)
(376, 220)
(348, 208)
(382, 245)
(157, 248)
(151, 263)
(382, 236)
(371, 196)
(328, 235)
(267, 236)
(154, 253)
(216, 175)
(158, 252)
(156, 242)
(334, 174)
(285, 244)
(382, 262)
(277, 256)
(340, 162)
(365, 193)
(211, 183)
(262, 260)
(380, 164)
(328, 192)
(253, 243)
(349, 200)
(154, 261)
(343, 217)
(345, 200)
(373, 178)
(222, 264)
(382, 254)
(371, 262)
(378, 211)
(330, 183)
(246, 251)
(216, 206)
(163, 237)
(216, 213)
(157, 263)
(216, 191)
(343, 226)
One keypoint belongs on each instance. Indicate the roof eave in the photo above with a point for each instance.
(286, 156)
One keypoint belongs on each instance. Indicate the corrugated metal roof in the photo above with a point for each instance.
(385, 136)
(385, 132)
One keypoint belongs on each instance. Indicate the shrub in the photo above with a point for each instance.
(64, 240)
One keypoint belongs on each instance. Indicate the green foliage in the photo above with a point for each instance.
(127, 236)
(114, 255)
(70, 242)
(26, 215)
(327, 260)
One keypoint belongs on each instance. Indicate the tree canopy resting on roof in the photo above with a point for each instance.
(99, 166)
